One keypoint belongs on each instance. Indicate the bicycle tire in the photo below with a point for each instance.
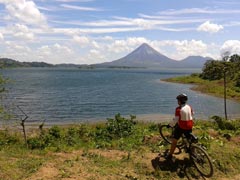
(201, 160)
(166, 133)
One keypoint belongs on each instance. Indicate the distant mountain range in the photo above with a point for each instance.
(146, 56)
(10, 63)
(142, 57)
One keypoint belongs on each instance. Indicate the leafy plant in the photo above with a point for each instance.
(224, 124)
(55, 132)
(36, 143)
(120, 126)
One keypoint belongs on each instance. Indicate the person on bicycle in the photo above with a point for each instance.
(183, 122)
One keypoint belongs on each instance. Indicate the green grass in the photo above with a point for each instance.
(209, 87)
(81, 145)
(17, 162)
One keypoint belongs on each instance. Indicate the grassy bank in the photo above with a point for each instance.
(120, 148)
(214, 88)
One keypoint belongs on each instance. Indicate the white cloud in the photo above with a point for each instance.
(124, 24)
(55, 54)
(70, 31)
(24, 11)
(231, 46)
(22, 32)
(59, 48)
(210, 27)
(1, 37)
(198, 11)
(94, 56)
(178, 50)
(95, 44)
(107, 38)
(16, 51)
(80, 8)
(125, 45)
(81, 40)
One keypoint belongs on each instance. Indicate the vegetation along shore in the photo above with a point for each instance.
(124, 148)
(211, 80)
(120, 148)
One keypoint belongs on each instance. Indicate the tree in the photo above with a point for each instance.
(235, 60)
(212, 70)
(237, 80)
(226, 71)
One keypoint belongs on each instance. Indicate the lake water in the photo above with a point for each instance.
(74, 95)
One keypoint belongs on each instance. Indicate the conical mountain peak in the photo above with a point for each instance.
(145, 49)
(146, 56)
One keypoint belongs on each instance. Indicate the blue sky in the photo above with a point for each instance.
(95, 31)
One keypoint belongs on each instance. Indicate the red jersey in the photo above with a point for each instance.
(184, 115)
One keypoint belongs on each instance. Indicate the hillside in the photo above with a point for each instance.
(194, 61)
(143, 56)
(146, 56)
(10, 63)
(96, 151)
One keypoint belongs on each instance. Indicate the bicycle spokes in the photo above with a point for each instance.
(201, 161)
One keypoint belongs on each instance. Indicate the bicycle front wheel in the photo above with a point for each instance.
(166, 133)
(201, 160)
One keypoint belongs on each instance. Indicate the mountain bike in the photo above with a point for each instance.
(189, 144)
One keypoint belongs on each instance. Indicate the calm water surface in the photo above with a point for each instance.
(73, 95)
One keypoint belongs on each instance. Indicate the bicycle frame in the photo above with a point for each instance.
(197, 154)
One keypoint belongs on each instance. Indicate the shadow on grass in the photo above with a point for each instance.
(184, 168)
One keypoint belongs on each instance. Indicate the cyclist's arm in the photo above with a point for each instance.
(174, 121)
(176, 118)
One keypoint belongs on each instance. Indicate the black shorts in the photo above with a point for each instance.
(178, 132)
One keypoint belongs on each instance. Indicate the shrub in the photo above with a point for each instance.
(224, 124)
(6, 138)
(36, 143)
(120, 126)
(55, 132)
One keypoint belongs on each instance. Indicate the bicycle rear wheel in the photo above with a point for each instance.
(166, 133)
(201, 160)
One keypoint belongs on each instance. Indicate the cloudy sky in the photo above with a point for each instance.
(95, 31)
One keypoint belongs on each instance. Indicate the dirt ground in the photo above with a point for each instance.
(75, 166)
(91, 165)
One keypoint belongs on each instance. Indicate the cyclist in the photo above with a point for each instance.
(183, 122)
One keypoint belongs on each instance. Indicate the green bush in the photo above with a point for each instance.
(225, 124)
(55, 132)
(71, 136)
(36, 143)
(6, 138)
(120, 126)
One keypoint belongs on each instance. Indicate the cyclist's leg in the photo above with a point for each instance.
(177, 133)
(187, 133)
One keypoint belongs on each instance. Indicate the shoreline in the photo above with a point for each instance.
(142, 118)
(145, 118)
(198, 87)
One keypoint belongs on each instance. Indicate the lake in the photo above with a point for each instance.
(74, 95)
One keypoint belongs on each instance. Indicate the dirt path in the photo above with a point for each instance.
(75, 166)
(115, 165)
(80, 165)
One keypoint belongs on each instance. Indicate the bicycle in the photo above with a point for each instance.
(189, 144)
